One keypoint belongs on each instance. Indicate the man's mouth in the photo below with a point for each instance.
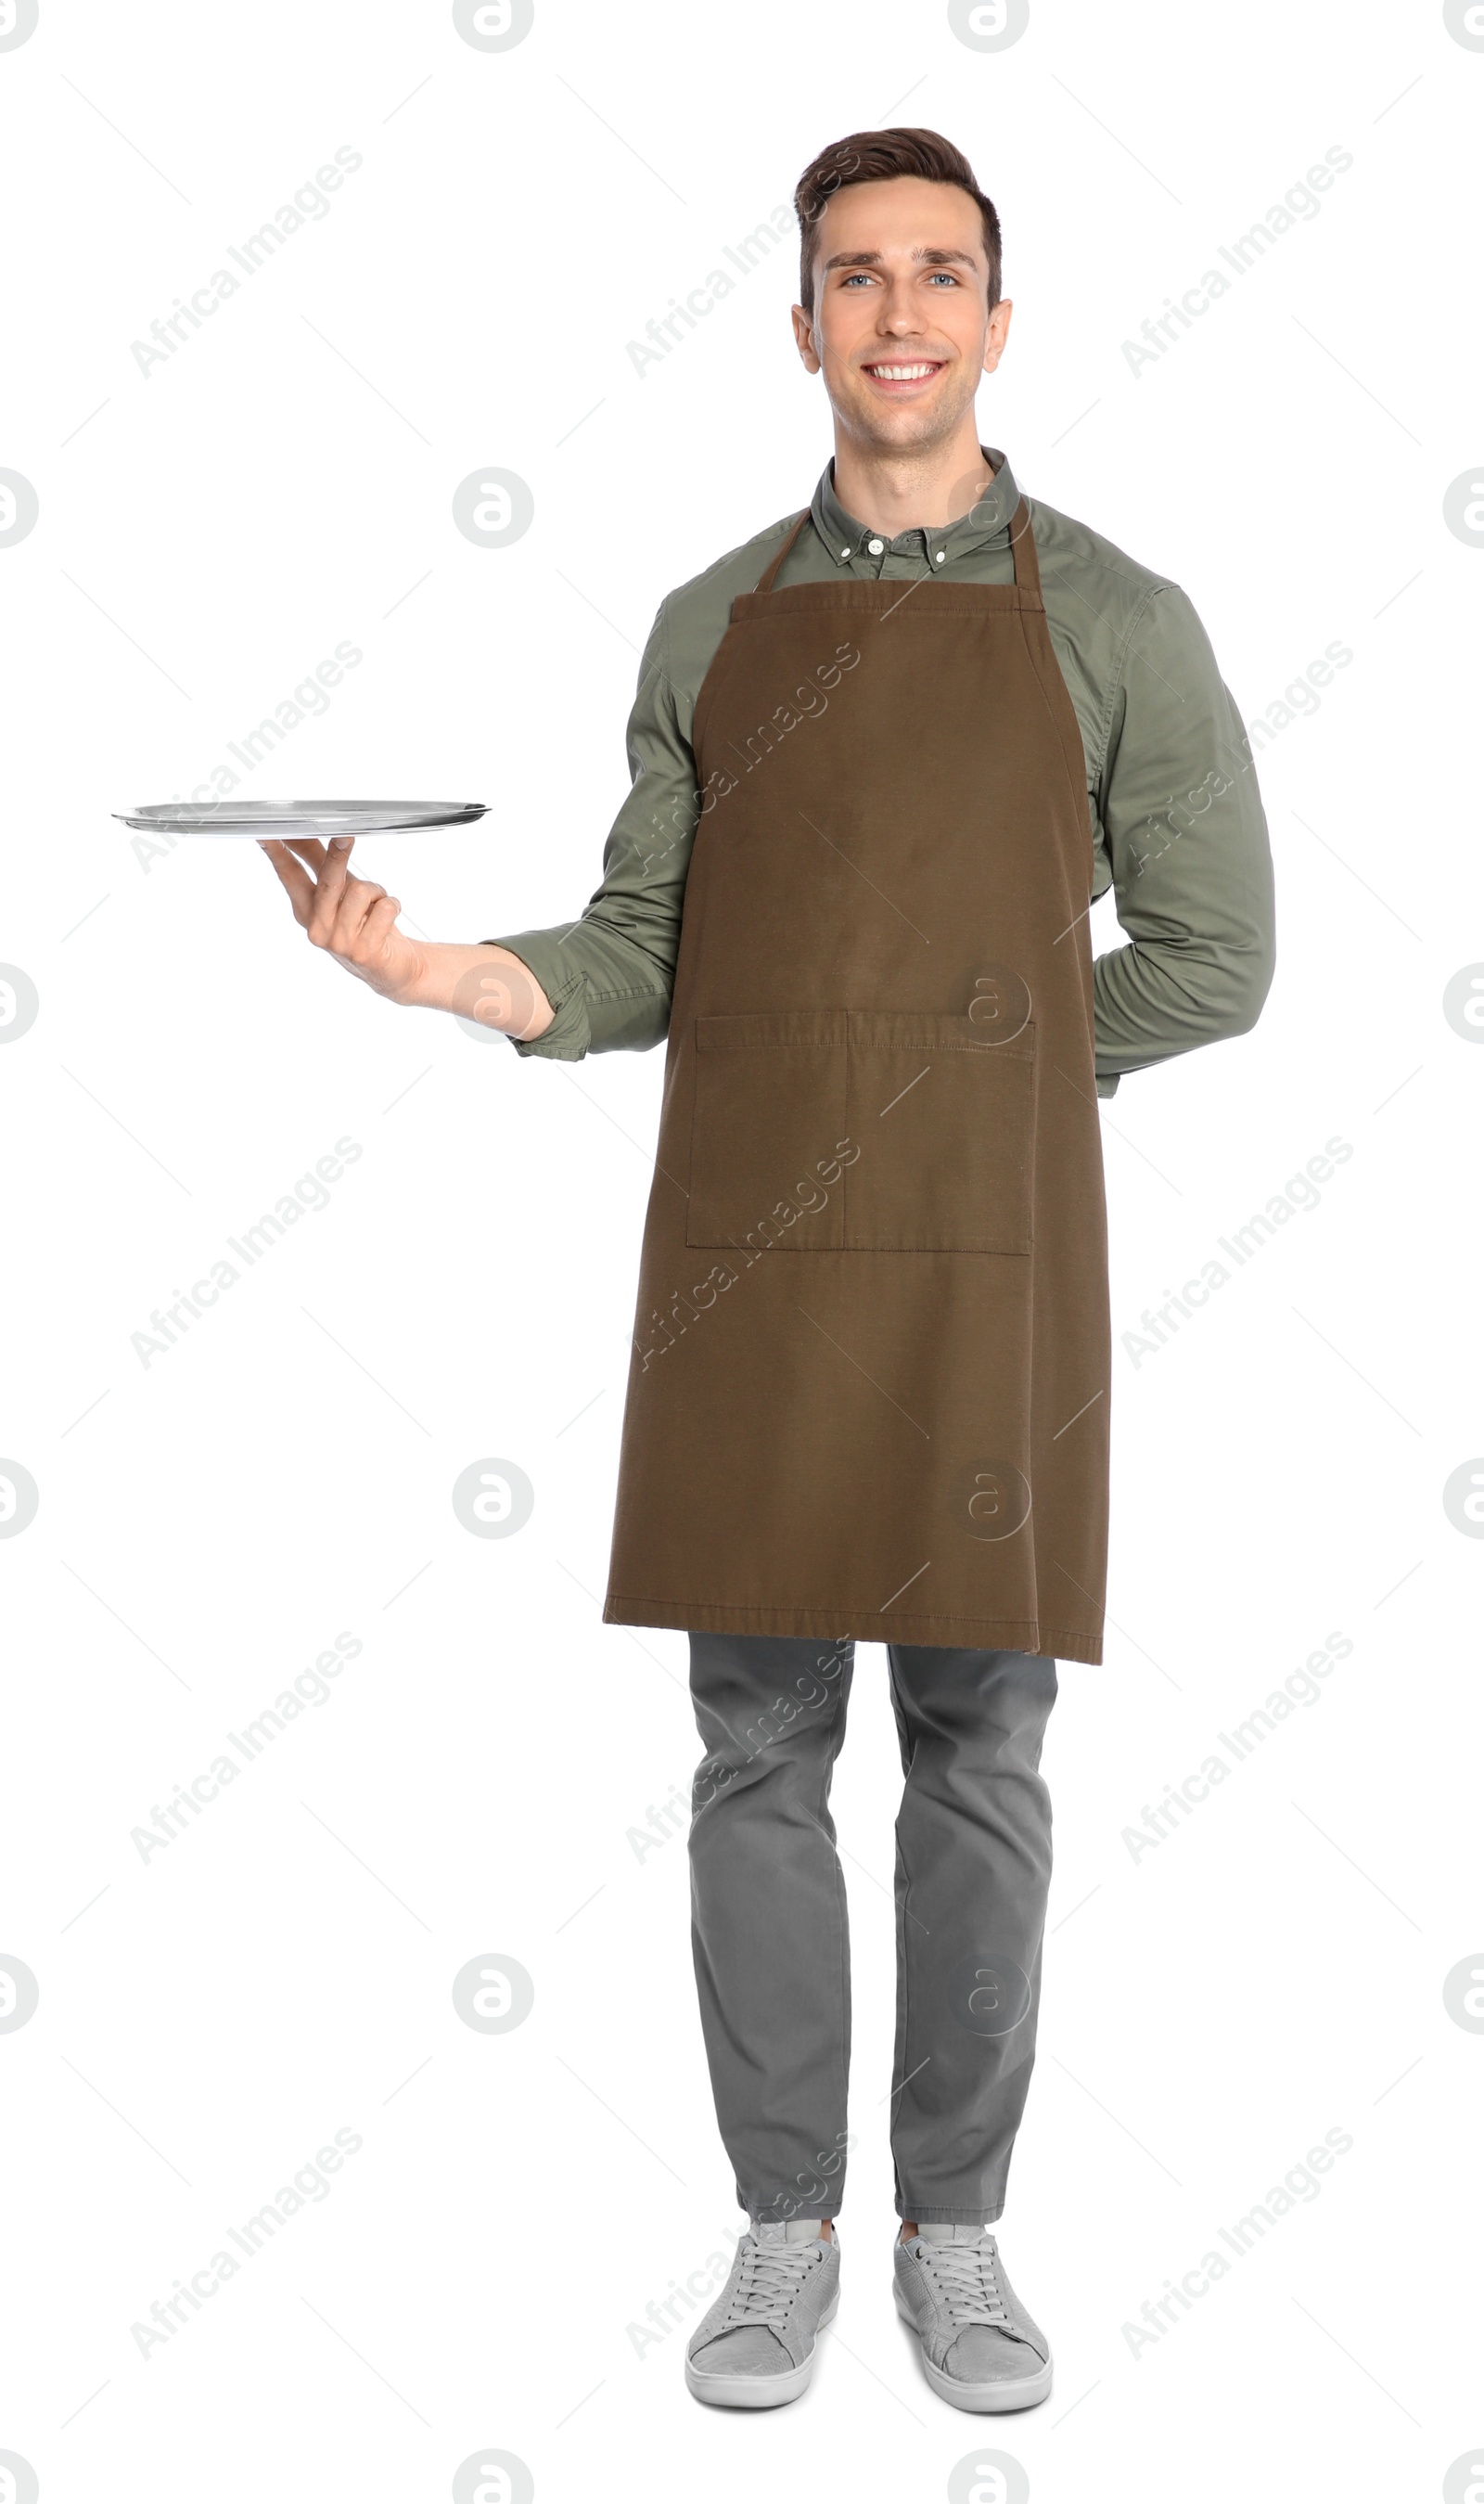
(900, 374)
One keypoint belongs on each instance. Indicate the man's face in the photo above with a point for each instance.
(901, 326)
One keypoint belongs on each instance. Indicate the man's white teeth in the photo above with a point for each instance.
(903, 374)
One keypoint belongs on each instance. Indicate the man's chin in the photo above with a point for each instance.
(911, 426)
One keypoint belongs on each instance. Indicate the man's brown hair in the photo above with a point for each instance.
(880, 156)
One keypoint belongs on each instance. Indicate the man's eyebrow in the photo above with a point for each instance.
(934, 254)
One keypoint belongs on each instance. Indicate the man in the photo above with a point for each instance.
(884, 755)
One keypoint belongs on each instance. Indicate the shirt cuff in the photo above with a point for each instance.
(1107, 1083)
(566, 1039)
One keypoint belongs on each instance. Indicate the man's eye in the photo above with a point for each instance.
(946, 277)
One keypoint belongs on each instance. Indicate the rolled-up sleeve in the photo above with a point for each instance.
(609, 975)
(1186, 839)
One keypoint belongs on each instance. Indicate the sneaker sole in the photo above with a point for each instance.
(758, 2390)
(983, 2399)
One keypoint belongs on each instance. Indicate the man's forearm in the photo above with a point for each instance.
(481, 982)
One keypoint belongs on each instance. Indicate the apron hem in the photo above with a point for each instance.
(736, 1618)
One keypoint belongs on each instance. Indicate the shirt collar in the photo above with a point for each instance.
(845, 538)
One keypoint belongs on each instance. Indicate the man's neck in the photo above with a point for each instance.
(922, 489)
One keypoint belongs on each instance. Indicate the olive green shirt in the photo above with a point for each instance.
(1177, 824)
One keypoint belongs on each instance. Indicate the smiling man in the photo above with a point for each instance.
(885, 756)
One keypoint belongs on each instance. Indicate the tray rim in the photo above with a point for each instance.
(185, 817)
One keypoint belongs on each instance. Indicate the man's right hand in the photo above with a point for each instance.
(356, 920)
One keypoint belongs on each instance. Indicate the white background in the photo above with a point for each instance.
(208, 1522)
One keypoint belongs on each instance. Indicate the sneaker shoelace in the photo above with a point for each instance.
(770, 2286)
(964, 2276)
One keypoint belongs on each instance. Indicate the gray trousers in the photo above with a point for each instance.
(769, 1929)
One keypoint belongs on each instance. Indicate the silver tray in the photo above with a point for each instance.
(250, 820)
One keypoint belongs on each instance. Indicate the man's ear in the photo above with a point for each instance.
(997, 333)
(805, 341)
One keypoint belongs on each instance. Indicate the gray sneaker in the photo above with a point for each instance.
(755, 2348)
(980, 2349)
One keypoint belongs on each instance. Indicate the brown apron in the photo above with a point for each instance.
(870, 1384)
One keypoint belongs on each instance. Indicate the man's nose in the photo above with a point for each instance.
(899, 314)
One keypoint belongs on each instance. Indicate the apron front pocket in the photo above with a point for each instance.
(945, 1123)
(769, 1150)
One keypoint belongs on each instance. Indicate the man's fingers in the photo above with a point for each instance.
(308, 848)
(351, 916)
(363, 950)
(355, 902)
(334, 865)
(297, 880)
(363, 899)
(312, 848)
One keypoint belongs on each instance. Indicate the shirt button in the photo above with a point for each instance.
(844, 552)
(941, 554)
(874, 546)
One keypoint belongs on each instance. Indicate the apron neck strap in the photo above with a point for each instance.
(769, 579)
(1022, 551)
